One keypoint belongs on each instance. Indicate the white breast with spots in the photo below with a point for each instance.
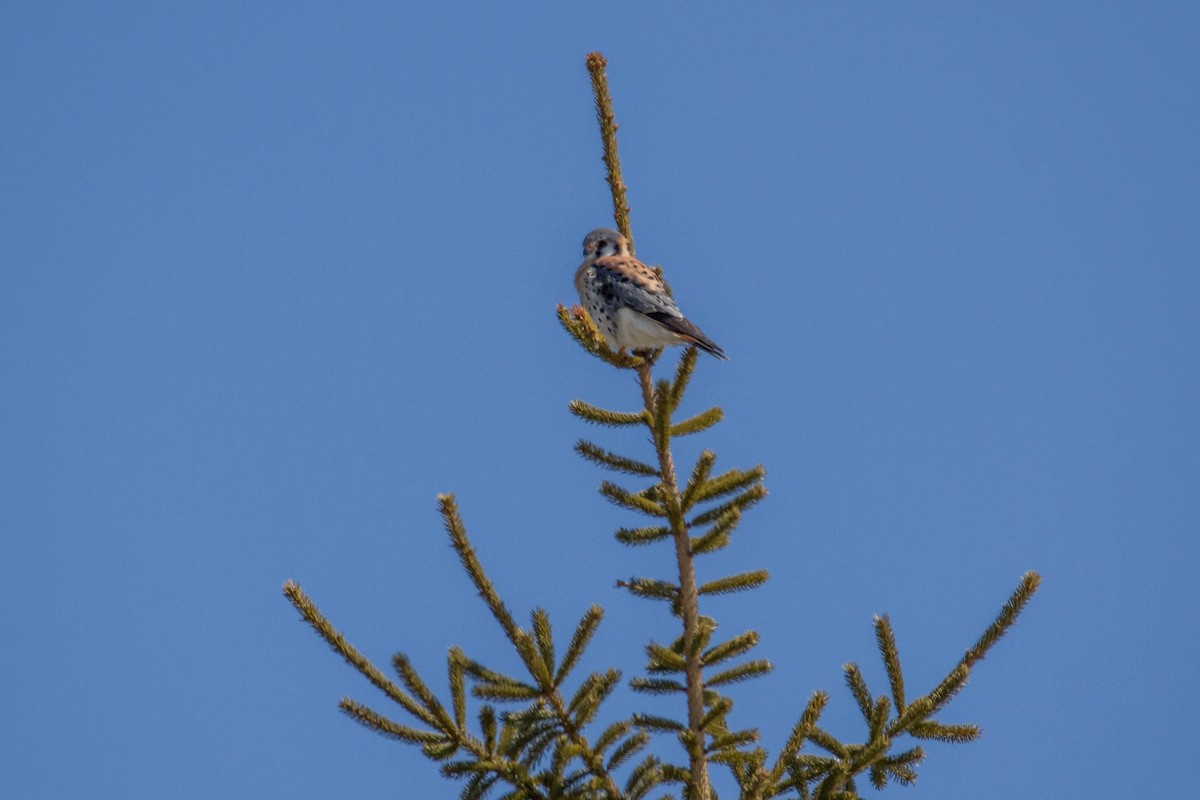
(601, 311)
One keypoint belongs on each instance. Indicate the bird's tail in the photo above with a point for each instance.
(688, 332)
(707, 345)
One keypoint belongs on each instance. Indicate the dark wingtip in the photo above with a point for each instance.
(712, 349)
(708, 346)
(688, 332)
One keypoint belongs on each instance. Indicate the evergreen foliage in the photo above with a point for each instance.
(535, 734)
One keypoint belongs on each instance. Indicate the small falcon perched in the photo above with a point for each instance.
(628, 301)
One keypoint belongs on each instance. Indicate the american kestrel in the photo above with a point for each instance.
(628, 301)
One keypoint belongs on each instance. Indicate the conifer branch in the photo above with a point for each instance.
(910, 756)
(418, 687)
(594, 689)
(727, 483)
(612, 733)
(644, 777)
(449, 735)
(326, 631)
(738, 645)
(481, 674)
(701, 422)
(596, 64)
(583, 330)
(1013, 607)
(717, 711)
(571, 726)
(458, 687)
(537, 652)
(900, 766)
(918, 709)
(683, 375)
(579, 641)
(728, 741)
(657, 686)
(742, 672)
(544, 638)
(602, 416)
(717, 536)
(704, 630)
(886, 638)
(827, 741)
(655, 723)
(381, 724)
(637, 536)
(836, 777)
(509, 691)
(604, 458)
(951, 685)
(634, 502)
(800, 733)
(751, 496)
(627, 749)
(735, 583)
(955, 734)
(876, 732)
(665, 659)
(651, 588)
(699, 477)
(470, 563)
(858, 687)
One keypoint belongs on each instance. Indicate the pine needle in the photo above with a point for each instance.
(701, 422)
(742, 672)
(741, 582)
(633, 502)
(602, 416)
(639, 536)
(858, 687)
(584, 631)
(604, 458)
(381, 724)
(885, 637)
(733, 648)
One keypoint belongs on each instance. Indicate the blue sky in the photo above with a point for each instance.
(274, 275)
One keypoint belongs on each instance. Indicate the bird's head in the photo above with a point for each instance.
(604, 242)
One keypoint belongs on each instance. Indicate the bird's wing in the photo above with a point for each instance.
(631, 284)
(634, 286)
